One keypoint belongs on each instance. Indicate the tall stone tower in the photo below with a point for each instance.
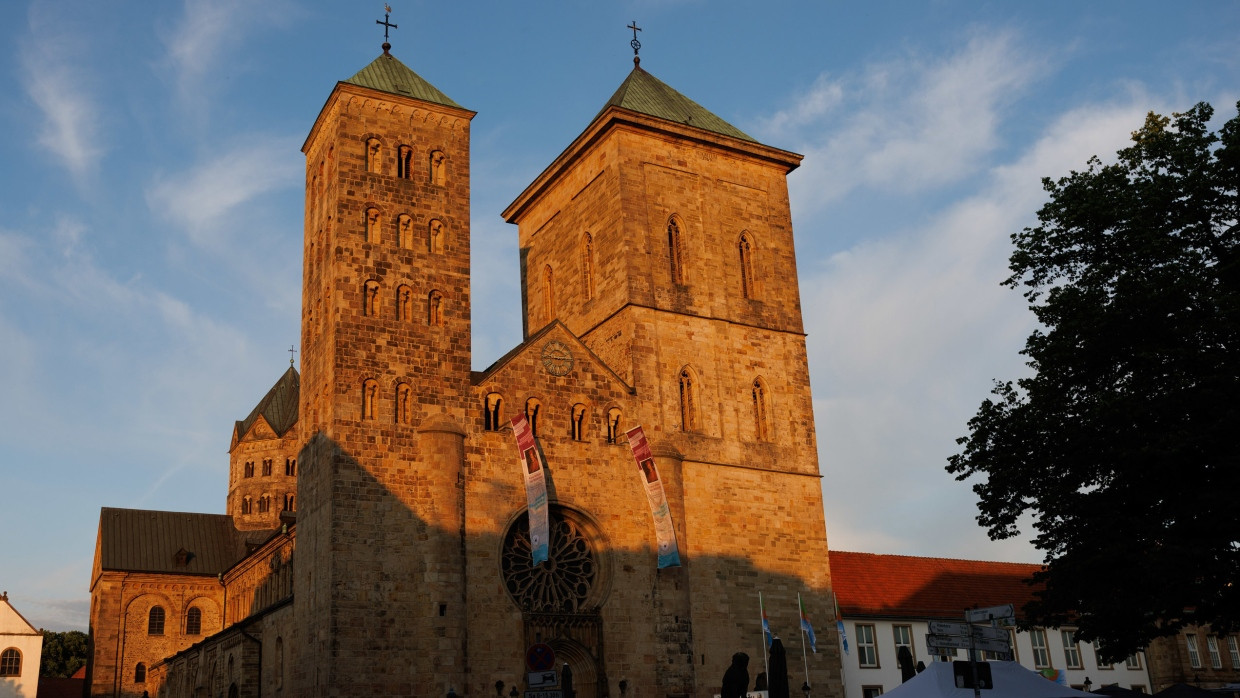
(385, 384)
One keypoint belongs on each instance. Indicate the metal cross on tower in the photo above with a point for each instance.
(387, 10)
(635, 43)
(291, 352)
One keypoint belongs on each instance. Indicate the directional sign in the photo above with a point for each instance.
(963, 643)
(963, 629)
(985, 615)
(989, 633)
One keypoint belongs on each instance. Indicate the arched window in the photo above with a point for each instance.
(404, 231)
(193, 621)
(404, 303)
(745, 247)
(266, 467)
(247, 506)
(587, 266)
(374, 155)
(491, 414)
(290, 467)
(264, 504)
(613, 425)
(139, 673)
(434, 309)
(532, 408)
(438, 165)
(579, 421)
(689, 404)
(761, 411)
(372, 224)
(11, 662)
(404, 159)
(675, 251)
(404, 398)
(249, 468)
(370, 298)
(290, 503)
(370, 396)
(434, 237)
(548, 294)
(155, 621)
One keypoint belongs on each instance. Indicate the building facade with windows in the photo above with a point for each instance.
(659, 289)
(887, 602)
(21, 652)
(1196, 656)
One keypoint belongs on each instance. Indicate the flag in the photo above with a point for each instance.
(839, 625)
(766, 624)
(806, 627)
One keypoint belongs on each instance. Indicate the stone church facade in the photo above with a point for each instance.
(391, 553)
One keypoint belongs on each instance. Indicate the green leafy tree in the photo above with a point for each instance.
(1124, 444)
(63, 653)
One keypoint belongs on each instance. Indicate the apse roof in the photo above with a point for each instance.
(387, 74)
(644, 93)
(278, 406)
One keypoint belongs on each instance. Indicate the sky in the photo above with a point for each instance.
(151, 212)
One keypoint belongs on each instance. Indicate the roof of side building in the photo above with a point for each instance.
(900, 586)
(134, 540)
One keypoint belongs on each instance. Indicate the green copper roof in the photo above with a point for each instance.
(387, 74)
(644, 93)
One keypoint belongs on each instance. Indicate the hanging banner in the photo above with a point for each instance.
(664, 531)
(534, 470)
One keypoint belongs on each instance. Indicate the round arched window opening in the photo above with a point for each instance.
(570, 581)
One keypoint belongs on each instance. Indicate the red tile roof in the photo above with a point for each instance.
(900, 586)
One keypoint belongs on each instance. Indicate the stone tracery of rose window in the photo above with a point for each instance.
(560, 585)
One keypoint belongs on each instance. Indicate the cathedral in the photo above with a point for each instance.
(652, 435)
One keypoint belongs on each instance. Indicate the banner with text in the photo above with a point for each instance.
(534, 470)
(664, 531)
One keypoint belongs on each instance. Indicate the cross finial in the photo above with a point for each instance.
(291, 352)
(635, 44)
(387, 10)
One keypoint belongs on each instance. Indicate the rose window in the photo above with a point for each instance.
(562, 584)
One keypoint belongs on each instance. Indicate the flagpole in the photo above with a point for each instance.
(801, 615)
(762, 624)
(839, 624)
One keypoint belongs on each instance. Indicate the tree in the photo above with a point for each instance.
(1124, 444)
(63, 653)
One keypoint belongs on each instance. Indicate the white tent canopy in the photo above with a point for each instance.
(1011, 680)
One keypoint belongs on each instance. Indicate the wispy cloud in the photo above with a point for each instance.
(57, 79)
(906, 124)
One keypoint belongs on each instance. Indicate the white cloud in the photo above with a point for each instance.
(56, 77)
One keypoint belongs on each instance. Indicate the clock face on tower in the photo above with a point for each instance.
(556, 358)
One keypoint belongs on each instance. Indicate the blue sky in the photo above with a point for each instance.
(150, 218)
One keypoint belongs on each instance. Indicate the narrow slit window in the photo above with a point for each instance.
(587, 266)
(675, 251)
(404, 159)
(374, 155)
(434, 237)
(689, 405)
(491, 413)
(434, 309)
(372, 225)
(404, 398)
(370, 396)
(745, 248)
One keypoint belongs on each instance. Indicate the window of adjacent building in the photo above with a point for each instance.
(745, 247)
(532, 409)
(689, 403)
(587, 266)
(1071, 651)
(1194, 657)
(1233, 648)
(1098, 657)
(613, 425)
(579, 422)
(404, 159)
(434, 309)
(155, 621)
(871, 691)
(904, 638)
(867, 647)
(11, 662)
(249, 468)
(139, 673)
(193, 621)
(435, 236)
(491, 415)
(1012, 643)
(675, 251)
(266, 467)
(290, 466)
(1216, 660)
(761, 411)
(1133, 661)
(1041, 654)
(374, 155)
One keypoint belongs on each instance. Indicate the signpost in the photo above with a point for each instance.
(951, 635)
(1004, 613)
(967, 643)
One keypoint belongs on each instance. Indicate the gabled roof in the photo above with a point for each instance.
(12, 622)
(278, 406)
(134, 540)
(644, 93)
(479, 377)
(899, 586)
(387, 74)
